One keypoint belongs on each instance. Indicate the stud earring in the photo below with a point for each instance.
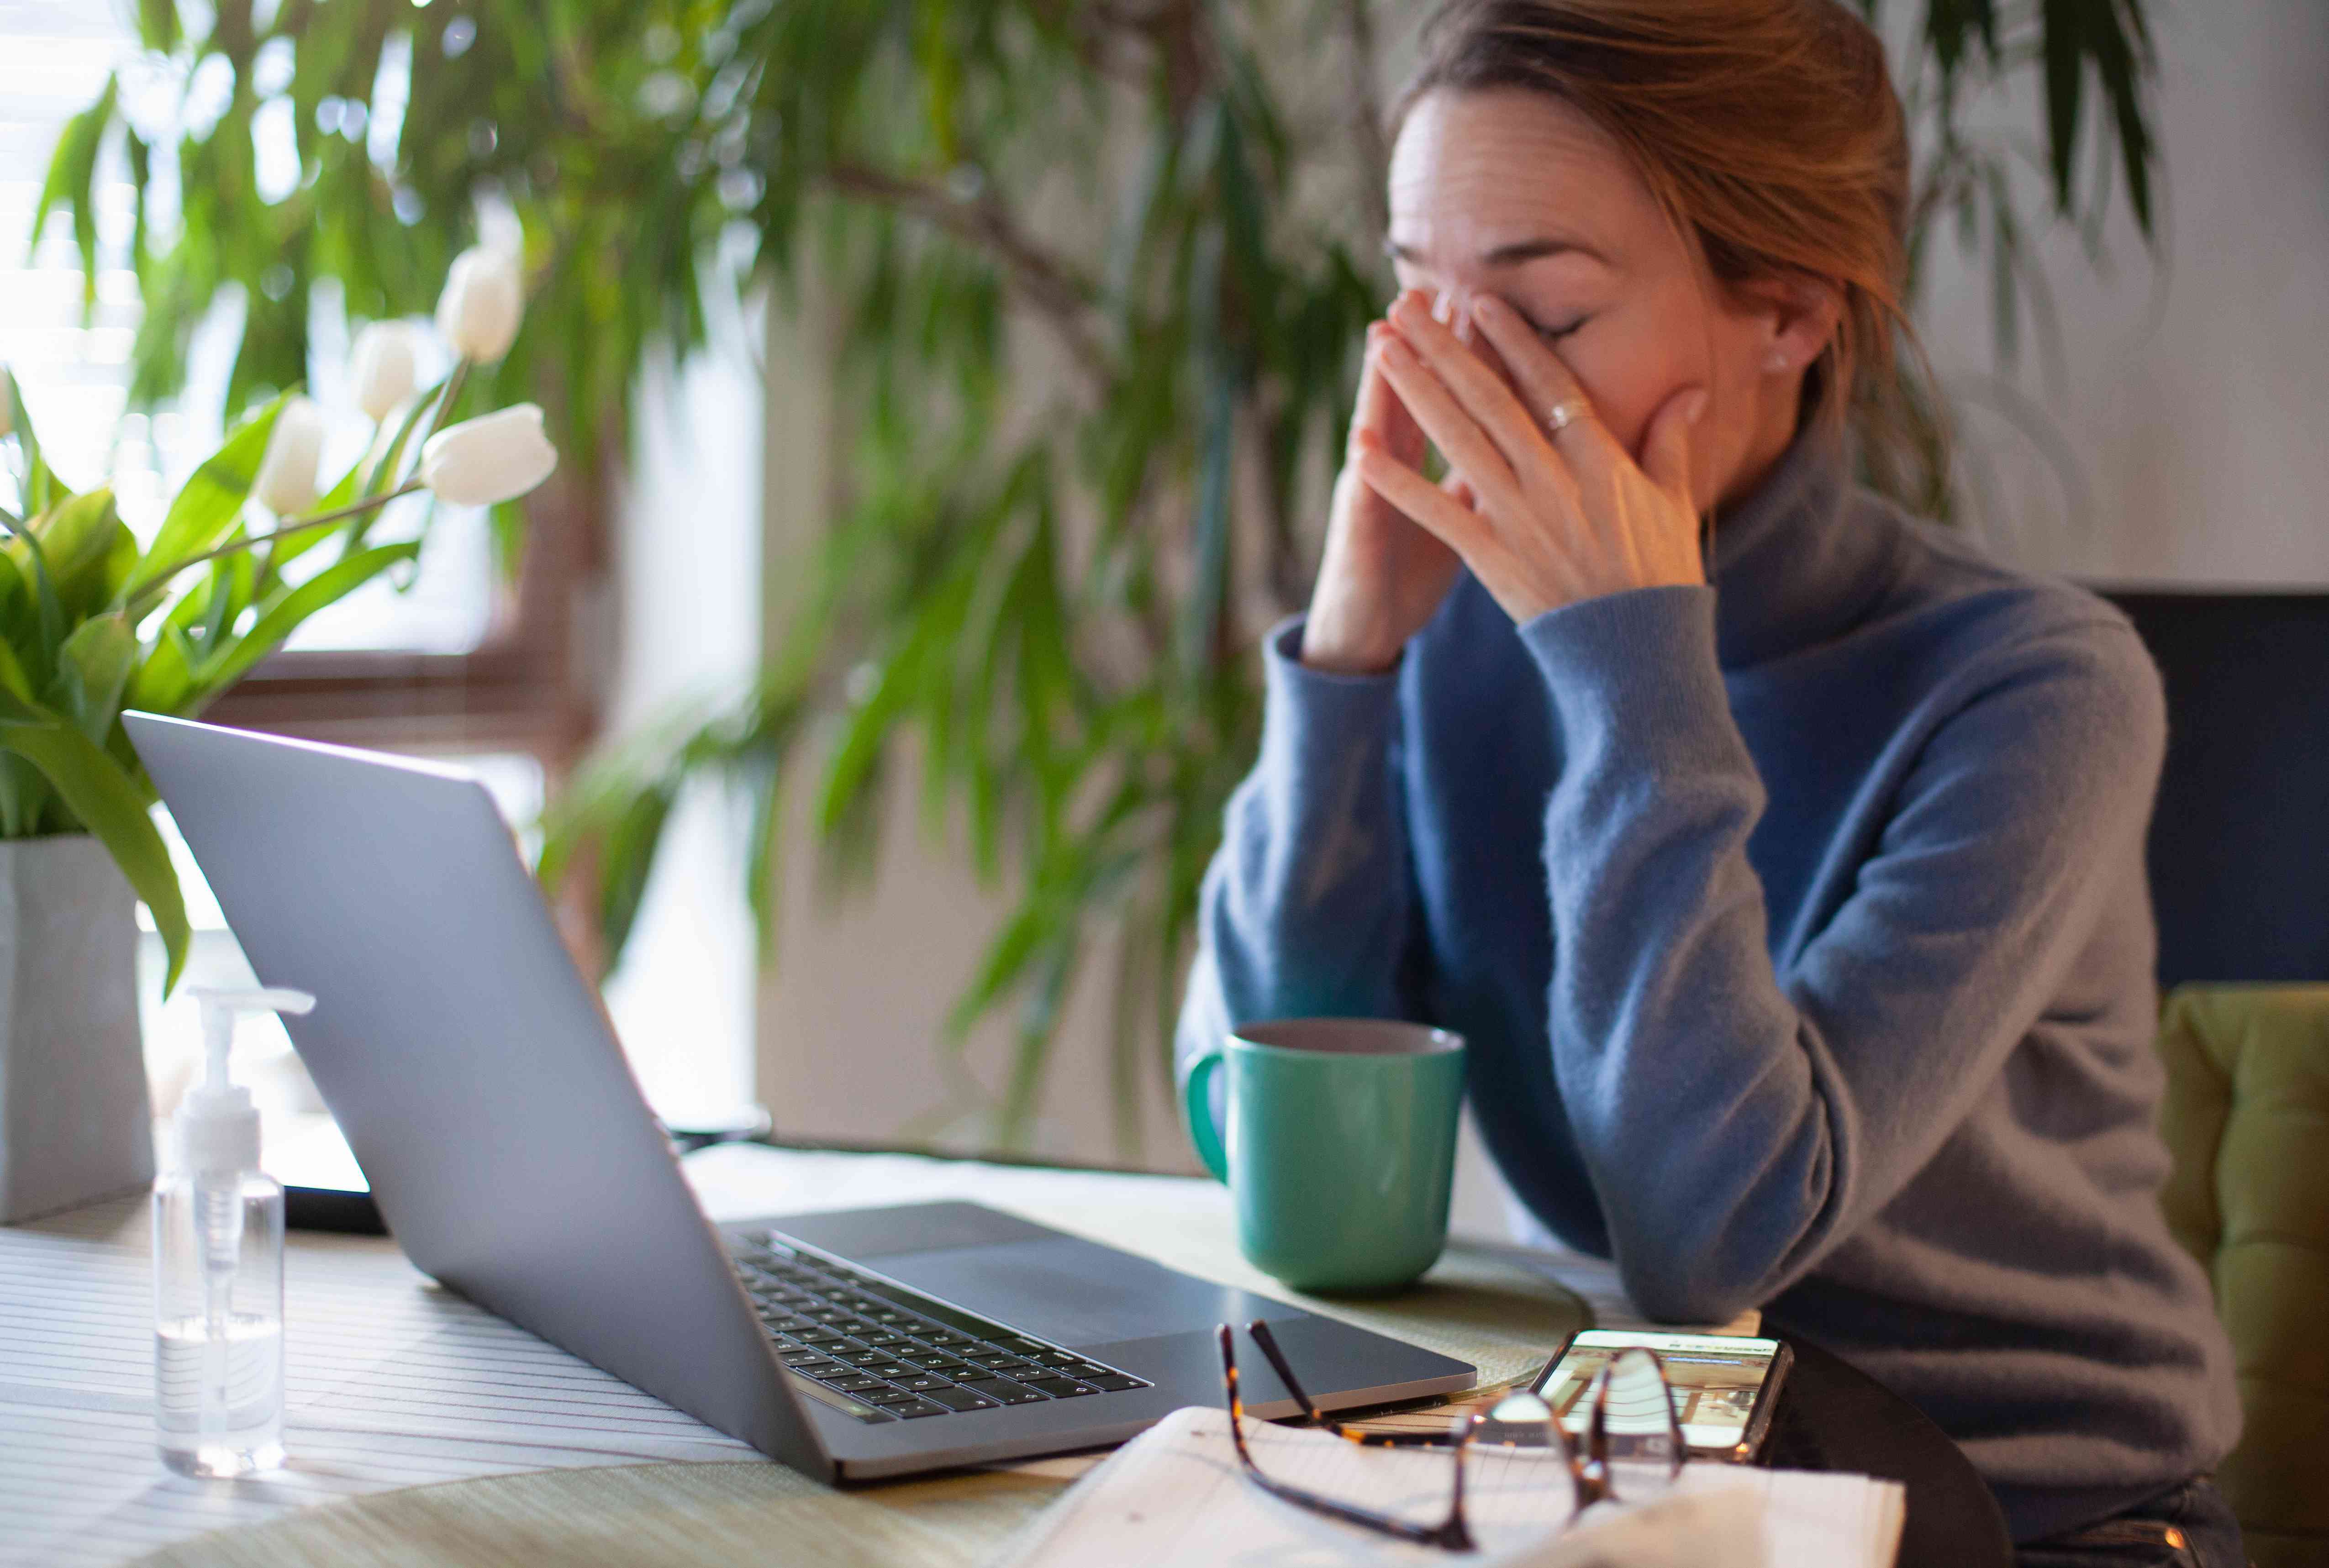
(1777, 361)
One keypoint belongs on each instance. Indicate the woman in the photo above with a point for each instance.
(1789, 889)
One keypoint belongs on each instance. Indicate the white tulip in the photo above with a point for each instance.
(286, 482)
(496, 457)
(484, 296)
(383, 368)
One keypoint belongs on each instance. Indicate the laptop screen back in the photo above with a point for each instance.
(469, 1063)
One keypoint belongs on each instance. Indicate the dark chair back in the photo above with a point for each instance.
(2239, 844)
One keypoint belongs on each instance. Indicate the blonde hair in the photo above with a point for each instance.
(1769, 131)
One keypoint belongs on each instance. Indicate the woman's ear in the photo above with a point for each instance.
(1797, 316)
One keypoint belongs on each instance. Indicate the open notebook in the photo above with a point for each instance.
(1174, 1497)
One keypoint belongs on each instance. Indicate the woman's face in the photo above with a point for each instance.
(1517, 194)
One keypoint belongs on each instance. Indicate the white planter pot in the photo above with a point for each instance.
(75, 1121)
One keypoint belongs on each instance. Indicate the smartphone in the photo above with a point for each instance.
(1725, 1387)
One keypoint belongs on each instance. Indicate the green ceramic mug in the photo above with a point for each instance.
(1341, 1146)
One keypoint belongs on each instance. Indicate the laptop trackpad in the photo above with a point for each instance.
(1075, 1292)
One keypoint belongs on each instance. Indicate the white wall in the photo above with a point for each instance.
(687, 553)
(2193, 397)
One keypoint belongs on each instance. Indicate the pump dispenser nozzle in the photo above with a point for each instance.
(218, 1126)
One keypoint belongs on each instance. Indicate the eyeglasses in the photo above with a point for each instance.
(1630, 1427)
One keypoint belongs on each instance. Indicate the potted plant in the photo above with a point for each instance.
(92, 622)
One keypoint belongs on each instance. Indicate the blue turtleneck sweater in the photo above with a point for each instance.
(1798, 928)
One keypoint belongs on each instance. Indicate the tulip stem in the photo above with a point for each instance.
(337, 515)
(160, 580)
(453, 384)
(433, 407)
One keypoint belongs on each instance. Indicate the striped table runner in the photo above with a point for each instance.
(394, 1383)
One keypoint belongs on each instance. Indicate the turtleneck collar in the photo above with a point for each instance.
(1794, 564)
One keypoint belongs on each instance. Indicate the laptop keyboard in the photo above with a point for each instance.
(895, 1355)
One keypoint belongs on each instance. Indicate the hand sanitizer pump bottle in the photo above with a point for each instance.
(218, 1268)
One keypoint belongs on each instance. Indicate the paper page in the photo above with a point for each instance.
(1176, 1497)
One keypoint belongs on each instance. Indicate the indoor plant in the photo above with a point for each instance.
(1046, 568)
(91, 624)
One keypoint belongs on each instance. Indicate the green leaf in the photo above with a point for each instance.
(1950, 24)
(2006, 265)
(1201, 612)
(2066, 80)
(141, 175)
(2122, 60)
(853, 766)
(282, 552)
(163, 683)
(72, 173)
(50, 626)
(381, 475)
(157, 25)
(207, 505)
(1039, 1030)
(80, 541)
(280, 619)
(1002, 967)
(12, 679)
(764, 851)
(24, 797)
(938, 57)
(507, 522)
(93, 668)
(232, 585)
(105, 800)
(626, 864)
(41, 489)
(853, 769)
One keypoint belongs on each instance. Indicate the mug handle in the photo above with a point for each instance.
(1197, 1099)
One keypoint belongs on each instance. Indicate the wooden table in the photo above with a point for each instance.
(365, 1329)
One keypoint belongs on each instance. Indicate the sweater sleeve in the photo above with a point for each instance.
(1304, 912)
(1738, 1129)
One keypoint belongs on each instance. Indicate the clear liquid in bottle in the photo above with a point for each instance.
(218, 1325)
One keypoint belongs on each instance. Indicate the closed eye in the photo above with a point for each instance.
(1552, 335)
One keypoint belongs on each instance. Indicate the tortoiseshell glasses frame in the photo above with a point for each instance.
(1520, 1418)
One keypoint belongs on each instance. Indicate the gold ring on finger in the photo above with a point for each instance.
(1565, 413)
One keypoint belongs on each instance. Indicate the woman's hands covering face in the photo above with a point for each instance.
(1382, 576)
(1542, 519)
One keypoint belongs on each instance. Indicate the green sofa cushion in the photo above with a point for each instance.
(2247, 1121)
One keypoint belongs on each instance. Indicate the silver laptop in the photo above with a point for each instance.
(486, 1097)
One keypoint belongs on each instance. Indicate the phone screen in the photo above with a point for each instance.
(1715, 1379)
